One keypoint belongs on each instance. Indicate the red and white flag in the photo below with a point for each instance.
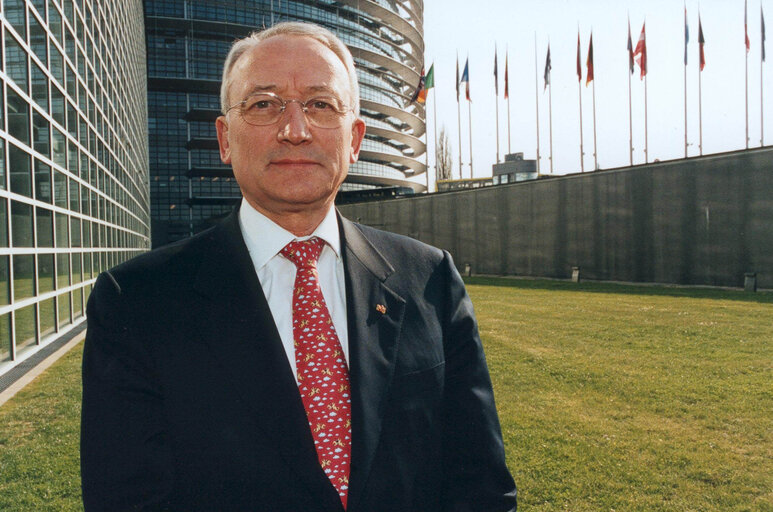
(640, 52)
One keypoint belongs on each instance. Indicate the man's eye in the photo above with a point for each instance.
(261, 105)
(321, 105)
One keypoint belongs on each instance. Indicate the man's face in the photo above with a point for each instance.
(290, 166)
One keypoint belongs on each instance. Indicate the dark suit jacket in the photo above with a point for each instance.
(189, 402)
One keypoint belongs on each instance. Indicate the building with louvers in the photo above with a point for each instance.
(187, 43)
(74, 194)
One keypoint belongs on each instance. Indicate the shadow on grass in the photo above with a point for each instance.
(623, 288)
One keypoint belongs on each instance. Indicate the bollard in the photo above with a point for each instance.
(575, 274)
(750, 282)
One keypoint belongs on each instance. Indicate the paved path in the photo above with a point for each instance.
(26, 371)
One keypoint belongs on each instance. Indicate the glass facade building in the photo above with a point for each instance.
(74, 194)
(187, 43)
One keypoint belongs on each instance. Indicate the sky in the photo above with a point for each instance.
(472, 29)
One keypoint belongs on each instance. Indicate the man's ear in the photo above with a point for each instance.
(222, 139)
(358, 133)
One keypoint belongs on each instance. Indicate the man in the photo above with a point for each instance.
(288, 359)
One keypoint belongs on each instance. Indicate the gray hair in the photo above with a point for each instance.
(316, 32)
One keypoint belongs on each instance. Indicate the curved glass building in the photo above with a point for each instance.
(74, 195)
(187, 44)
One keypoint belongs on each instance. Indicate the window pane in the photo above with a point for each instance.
(38, 39)
(46, 273)
(25, 327)
(47, 317)
(21, 224)
(60, 189)
(58, 144)
(21, 176)
(39, 87)
(23, 276)
(3, 223)
(42, 182)
(16, 62)
(5, 337)
(41, 134)
(45, 223)
(63, 302)
(5, 287)
(18, 117)
(61, 225)
(57, 105)
(75, 232)
(62, 270)
(15, 14)
(77, 303)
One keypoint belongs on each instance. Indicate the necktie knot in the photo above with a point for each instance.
(304, 253)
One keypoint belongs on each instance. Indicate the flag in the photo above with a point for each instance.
(579, 66)
(466, 79)
(429, 80)
(762, 33)
(419, 89)
(686, 36)
(507, 88)
(548, 67)
(457, 78)
(745, 28)
(630, 49)
(589, 62)
(429, 83)
(701, 42)
(641, 51)
(496, 77)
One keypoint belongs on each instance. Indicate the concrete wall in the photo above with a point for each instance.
(702, 221)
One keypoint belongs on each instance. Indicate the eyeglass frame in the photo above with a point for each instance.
(346, 109)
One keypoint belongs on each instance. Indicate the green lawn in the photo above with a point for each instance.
(611, 397)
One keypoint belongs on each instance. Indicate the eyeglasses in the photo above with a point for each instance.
(266, 108)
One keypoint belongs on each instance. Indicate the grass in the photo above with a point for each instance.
(632, 398)
(611, 398)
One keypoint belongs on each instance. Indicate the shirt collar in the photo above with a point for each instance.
(264, 238)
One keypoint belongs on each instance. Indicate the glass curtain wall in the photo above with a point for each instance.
(187, 42)
(74, 195)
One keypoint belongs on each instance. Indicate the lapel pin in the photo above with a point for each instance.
(381, 308)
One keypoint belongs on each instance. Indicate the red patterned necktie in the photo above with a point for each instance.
(323, 378)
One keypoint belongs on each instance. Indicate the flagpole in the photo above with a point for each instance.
(700, 108)
(469, 111)
(685, 81)
(747, 74)
(550, 117)
(630, 110)
(536, 97)
(579, 95)
(582, 151)
(496, 97)
(646, 143)
(747, 99)
(459, 116)
(507, 87)
(434, 111)
(630, 121)
(426, 150)
(595, 151)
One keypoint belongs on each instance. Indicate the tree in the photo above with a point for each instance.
(443, 169)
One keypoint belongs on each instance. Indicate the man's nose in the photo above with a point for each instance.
(293, 125)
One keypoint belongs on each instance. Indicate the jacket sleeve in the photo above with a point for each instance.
(125, 459)
(475, 475)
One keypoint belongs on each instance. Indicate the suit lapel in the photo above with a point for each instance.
(375, 316)
(238, 326)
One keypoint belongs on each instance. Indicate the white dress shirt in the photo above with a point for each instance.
(276, 274)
